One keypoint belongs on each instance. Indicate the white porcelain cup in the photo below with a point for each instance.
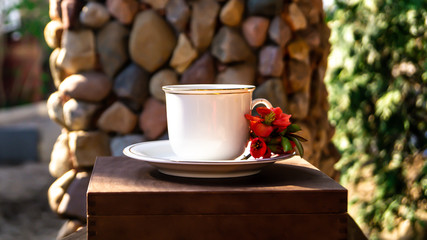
(207, 122)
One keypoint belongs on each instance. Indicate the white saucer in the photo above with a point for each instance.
(160, 155)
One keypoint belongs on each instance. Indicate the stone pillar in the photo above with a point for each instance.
(112, 58)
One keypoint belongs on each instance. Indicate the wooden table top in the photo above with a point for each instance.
(123, 174)
(299, 186)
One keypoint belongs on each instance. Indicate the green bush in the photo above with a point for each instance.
(377, 83)
(34, 17)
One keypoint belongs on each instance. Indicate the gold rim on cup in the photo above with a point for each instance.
(208, 88)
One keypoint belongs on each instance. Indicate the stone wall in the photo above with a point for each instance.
(112, 57)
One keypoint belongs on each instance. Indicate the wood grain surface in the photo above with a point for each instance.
(130, 199)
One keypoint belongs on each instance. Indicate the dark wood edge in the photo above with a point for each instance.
(354, 232)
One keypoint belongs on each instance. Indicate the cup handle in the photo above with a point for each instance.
(263, 101)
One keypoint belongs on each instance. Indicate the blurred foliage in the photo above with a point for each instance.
(34, 17)
(377, 83)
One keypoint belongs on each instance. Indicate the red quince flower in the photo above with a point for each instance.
(275, 117)
(267, 153)
(268, 135)
(263, 111)
(256, 125)
(259, 148)
(282, 119)
(260, 129)
(253, 118)
(271, 118)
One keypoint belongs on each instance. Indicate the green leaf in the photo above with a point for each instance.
(297, 137)
(293, 128)
(273, 140)
(286, 144)
(282, 133)
(298, 145)
(274, 147)
(387, 104)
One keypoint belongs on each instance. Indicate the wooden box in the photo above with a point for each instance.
(129, 199)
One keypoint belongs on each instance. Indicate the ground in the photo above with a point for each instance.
(24, 209)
